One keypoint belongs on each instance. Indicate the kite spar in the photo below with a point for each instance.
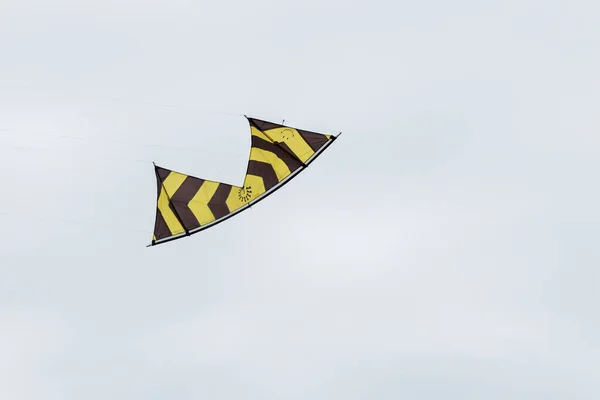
(278, 153)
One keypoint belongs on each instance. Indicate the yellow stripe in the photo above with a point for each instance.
(254, 184)
(292, 138)
(199, 203)
(168, 214)
(259, 134)
(173, 182)
(170, 186)
(233, 201)
(281, 168)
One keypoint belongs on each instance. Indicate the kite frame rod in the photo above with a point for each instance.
(253, 202)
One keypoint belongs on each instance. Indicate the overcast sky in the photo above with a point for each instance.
(446, 247)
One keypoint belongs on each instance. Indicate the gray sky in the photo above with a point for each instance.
(445, 247)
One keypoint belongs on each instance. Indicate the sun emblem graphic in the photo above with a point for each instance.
(245, 193)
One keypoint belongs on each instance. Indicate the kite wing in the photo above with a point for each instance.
(187, 205)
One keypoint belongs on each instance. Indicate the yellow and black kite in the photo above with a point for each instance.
(187, 205)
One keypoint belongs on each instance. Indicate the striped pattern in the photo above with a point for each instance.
(186, 203)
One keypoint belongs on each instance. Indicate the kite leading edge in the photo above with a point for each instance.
(187, 205)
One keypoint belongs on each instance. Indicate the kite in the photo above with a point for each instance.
(278, 153)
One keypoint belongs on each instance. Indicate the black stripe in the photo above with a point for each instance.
(314, 140)
(218, 202)
(265, 171)
(162, 173)
(186, 192)
(263, 125)
(263, 144)
(287, 149)
(161, 230)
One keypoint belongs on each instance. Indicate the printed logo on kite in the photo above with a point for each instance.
(287, 134)
(244, 194)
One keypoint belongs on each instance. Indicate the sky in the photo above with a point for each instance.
(446, 246)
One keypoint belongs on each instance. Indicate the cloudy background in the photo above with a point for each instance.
(445, 247)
